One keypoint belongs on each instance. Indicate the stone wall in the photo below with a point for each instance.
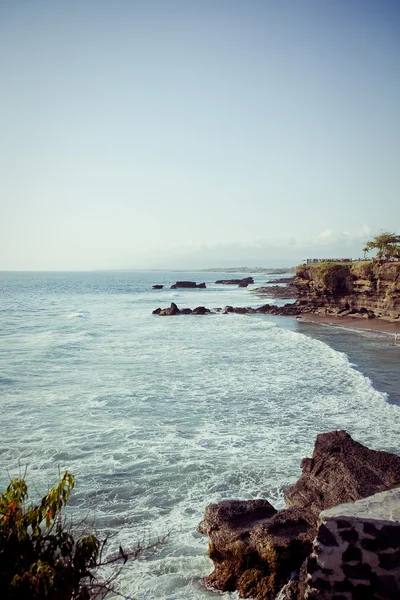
(356, 555)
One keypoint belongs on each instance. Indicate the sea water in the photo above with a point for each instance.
(157, 417)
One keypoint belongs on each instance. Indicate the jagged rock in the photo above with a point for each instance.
(342, 470)
(227, 309)
(228, 524)
(167, 312)
(174, 310)
(187, 284)
(257, 550)
(282, 280)
(157, 287)
(240, 282)
(277, 291)
(200, 310)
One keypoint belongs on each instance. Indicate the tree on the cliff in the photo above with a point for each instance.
(40, 556)
(387, 245)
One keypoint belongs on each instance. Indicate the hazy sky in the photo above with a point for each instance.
(180, 133)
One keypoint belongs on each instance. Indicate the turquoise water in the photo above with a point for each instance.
(157, 417)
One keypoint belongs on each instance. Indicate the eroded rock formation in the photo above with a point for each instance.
(369, 289)
(256, 550)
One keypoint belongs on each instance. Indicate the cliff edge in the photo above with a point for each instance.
(370, 288)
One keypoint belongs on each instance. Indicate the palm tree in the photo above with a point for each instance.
(387, 245)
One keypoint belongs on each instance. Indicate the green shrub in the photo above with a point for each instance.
(40, 559)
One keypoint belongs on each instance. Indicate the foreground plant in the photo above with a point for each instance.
(39, 556)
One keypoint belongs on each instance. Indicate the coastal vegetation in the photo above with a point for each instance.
(41, 557)
(386, 244)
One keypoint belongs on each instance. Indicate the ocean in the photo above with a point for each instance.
(157, 417)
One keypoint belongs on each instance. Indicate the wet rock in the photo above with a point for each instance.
(200, 310)
(255, 548)
(240, 282)
(157, 287)
(187, 284)
(167, 312)
(258, 551)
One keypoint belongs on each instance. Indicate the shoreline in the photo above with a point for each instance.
(376, 325)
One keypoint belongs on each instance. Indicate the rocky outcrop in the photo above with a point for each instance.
(284, 292)
(266, 309)
(256, 550)
(187, 284)
(367, 288)
(342, 470)
(282, 280)
(240, 282)
(173, 310)
(157, 286)
(270, 309)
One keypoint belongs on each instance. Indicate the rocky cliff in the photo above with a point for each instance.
(257, 549)
(369, 288)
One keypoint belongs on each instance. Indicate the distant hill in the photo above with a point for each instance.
(262, 270)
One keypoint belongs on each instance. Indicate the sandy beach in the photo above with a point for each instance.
(379, 325)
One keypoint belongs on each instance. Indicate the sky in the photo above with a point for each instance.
(188, 134)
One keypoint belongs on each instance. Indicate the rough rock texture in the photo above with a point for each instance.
(278, 291)
(370, 289)
(241, 282)
(254, 547)
(187, 284)
(342, 470)
(257, 550)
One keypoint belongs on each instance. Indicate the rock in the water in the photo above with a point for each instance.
(174, 310)
(187, 284)
(256, 550)
(240, 282)
(342, 470)
(157, 287)
(167, 312)
(200, 310)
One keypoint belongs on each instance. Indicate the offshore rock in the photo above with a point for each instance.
(157, 287)
(187, 284)
(200, 310)
(258, 551)
(174, 310)
(240, 282)
(342, 470)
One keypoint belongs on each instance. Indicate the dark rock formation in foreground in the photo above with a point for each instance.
(256, 550)
(240, 282)
(342, 470)
(187, 284)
